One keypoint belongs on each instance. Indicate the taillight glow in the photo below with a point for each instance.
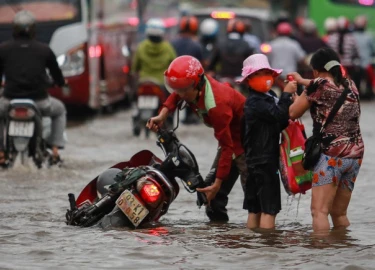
(133, 21)
(150, 193)
(223, 14)
(21, 113)
(95, 51)
(265, 48)
(125, 69)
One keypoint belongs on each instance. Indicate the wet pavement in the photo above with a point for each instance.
(33, 234)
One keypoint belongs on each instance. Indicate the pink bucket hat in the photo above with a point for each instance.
(254, 63)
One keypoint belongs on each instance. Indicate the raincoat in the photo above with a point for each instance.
(152, 59)
(220, 107)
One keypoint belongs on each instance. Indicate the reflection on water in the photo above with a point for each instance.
(235, 236)
(33, 233)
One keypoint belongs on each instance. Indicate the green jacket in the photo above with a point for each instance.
(152, 59)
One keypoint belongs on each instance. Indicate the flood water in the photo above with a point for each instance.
(33, 233)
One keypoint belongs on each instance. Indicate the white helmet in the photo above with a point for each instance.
(155, 27)
(209, 27)
(343, 23)
(360, 21)
(308, 26)
(330, 24)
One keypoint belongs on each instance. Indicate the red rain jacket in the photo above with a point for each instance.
(220, 107)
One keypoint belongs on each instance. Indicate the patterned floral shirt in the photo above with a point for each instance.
(342, 136)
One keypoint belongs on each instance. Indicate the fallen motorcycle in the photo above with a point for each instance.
(135, 192)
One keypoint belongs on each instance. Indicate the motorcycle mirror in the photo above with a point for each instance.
(180, 105)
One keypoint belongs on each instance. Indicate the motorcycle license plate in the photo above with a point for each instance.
(132, 207)
(148, 102)
(22, 129)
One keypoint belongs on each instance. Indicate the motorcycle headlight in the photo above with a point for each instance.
(72, 63)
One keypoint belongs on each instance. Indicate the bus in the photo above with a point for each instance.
(319, 10)
(91, 40)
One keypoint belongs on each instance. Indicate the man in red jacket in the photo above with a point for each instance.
(219, 107)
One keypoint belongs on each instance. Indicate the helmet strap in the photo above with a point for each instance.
(200, 86)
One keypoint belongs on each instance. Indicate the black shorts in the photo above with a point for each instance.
(262, 193)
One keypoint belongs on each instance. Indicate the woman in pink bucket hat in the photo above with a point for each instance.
(255, 63)
(265, 116)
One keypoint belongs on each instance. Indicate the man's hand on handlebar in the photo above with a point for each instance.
(156, 122)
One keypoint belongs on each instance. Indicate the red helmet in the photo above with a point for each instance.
(189, 24)
(236, 26)
(183, 73)
(284, 28)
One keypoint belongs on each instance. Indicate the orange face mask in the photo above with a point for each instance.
(261, 83)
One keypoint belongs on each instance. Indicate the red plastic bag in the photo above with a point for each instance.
(294, 178)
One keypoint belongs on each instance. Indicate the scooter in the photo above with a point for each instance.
(136, 192)
(150, 96)
(26, 133)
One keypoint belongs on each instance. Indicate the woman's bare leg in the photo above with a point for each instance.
(321, 204)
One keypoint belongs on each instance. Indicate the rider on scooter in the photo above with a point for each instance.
(219, 107)
(23, 62)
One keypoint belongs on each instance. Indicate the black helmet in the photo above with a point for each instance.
(105, 179)
(24, 24)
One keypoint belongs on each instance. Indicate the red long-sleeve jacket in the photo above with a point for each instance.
(220, 107)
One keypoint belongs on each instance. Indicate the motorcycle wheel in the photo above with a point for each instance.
(136, 131)
(24, 155)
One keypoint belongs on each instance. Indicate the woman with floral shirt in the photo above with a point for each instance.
(336, 171)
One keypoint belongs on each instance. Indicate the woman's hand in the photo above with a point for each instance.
(212, 190)
(298, 78)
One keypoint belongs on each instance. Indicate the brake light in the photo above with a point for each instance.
(125, 69)
(148, 90)
(223, 14)
(21, 113)
(150, 193)
(95, 51)
(133, 21)
(265, 48)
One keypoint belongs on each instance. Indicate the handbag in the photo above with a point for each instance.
(313, 145)
(294, 177)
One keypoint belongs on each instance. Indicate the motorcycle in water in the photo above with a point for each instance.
(135, 192)
(150, 96)
(26, 133)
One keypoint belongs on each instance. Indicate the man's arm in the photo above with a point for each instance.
(54, 69)
(171, 102)
(221, 118)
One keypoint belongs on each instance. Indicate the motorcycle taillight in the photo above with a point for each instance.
(150, 193)
(21, 113)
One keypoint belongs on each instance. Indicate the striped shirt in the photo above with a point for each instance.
(350, 51)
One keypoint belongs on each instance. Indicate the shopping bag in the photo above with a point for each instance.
(293, 176)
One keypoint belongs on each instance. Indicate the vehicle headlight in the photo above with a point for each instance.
(72, 63)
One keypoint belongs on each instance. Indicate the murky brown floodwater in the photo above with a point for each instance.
(33, 234)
